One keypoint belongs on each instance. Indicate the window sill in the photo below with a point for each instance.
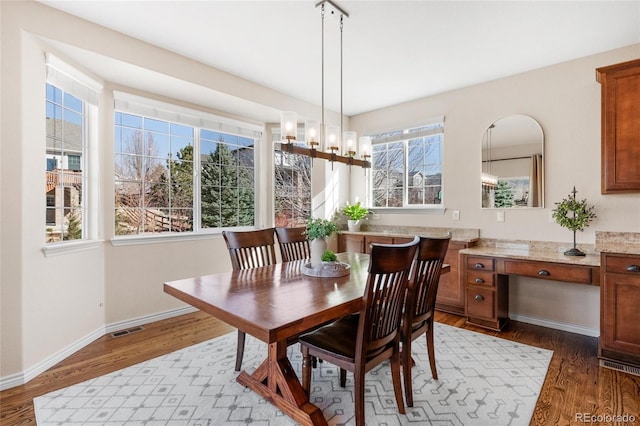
(59, 249)
(163, 238)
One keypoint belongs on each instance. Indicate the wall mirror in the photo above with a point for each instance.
(513, 163)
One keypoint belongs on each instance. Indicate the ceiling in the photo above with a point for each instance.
(393, 51)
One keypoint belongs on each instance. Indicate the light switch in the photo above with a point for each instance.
(500, 216)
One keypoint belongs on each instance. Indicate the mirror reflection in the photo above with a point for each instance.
(512, 163)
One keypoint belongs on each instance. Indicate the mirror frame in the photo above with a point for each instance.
(528, 135)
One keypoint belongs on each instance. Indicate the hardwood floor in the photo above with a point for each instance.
(574, 388)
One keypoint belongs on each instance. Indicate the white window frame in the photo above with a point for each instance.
(69, 79)
(405, 136)
(199, 120)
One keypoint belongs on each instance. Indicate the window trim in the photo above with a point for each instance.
(89, 162)
(199, 120)
(405, 136)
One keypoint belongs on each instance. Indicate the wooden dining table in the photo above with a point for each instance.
(276, 304)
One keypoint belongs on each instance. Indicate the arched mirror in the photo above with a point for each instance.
(513, 163)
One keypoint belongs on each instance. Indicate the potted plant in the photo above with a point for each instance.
(355, 214)
(329, 256)
(317, 232)
(575, 215)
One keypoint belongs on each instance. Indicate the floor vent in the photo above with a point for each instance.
(620, 367)
(126, 332)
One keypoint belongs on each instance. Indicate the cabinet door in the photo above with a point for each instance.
(351, 243)
(450, 297)
(620, 127)
(620, 295)
(376, 239)
(481, 304)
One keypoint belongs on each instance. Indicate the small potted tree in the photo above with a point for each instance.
(574, 215)
(355, 214)
(317, 232)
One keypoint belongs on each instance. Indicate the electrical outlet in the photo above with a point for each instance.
(500, 216)
(375, 216)
(455, 215)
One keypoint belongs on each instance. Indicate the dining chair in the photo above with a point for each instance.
(358, 343)
(249, 249)
(420, 305)
(293, 243)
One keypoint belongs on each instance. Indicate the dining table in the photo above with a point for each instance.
(276, 304)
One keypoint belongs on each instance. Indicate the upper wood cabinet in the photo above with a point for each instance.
(620, 126)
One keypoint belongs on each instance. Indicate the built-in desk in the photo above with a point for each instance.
(484, 271)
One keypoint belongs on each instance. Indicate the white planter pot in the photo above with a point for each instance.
(353, 225)
(318, 247)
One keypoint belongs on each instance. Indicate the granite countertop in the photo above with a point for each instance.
(618, 242)
(534, 254)
(545, 251)
(457, 234)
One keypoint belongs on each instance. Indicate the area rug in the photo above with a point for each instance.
(482, 380)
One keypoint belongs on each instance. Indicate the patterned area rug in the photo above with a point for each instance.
(483, 380)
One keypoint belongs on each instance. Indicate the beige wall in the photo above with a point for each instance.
(565, 100)
(45, 312)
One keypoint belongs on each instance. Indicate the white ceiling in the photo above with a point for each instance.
(394, 51)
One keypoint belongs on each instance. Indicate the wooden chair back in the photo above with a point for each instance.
(423, 286)
(251, 249)
(384, 295)
(420, 305)
(293, 243)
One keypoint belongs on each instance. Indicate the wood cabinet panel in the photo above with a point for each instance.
(350, 243)
(481, 303)
(620, 316)
(622, 264)
(549, 271)
(481, 278)
(486, 292)
(620, 104)
(480, 263)
(450, 297)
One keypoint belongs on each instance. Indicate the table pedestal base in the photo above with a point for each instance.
(276, 382)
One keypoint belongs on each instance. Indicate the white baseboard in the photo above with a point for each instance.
(18, 379)
(571, 328)
(135, 322)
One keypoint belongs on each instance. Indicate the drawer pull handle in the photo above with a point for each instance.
(479, 297)
(633, 268)
(479, 266)
(479, 280)
(544, 273)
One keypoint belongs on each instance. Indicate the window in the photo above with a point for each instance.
(71, 106)
(172, 176)
(292, 187)
(65, 175)
(407, 167)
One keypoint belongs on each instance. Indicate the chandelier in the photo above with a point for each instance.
(489, 180)
(326, 140)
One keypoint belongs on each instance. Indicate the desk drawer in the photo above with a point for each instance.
(480, 263)
(622, 264)
(550, 271)
(481, 303)
(483, 278)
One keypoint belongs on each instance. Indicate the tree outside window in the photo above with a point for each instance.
(407, 167)
(155, 165)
